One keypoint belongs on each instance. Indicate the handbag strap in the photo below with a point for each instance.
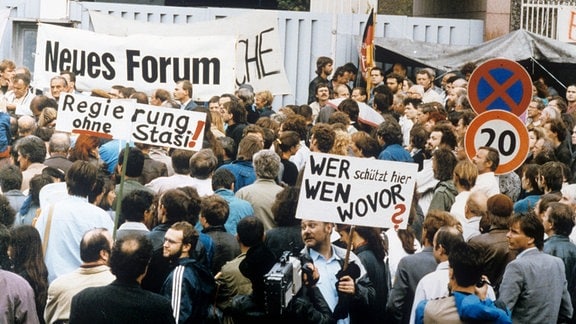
(47, 230)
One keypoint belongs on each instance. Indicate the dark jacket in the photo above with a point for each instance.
(190, 286)
(226, 247)
(410, 270)
(560, 246)
(284, 238)
(496, 254)
(160, 267)
(379, 275)
(120, 302)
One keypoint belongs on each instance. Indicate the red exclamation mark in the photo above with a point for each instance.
(199, 128)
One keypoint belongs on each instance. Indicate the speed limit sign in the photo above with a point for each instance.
(502, 131)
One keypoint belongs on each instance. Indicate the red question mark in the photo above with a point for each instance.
(397, 216)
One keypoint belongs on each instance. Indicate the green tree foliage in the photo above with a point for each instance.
(294, 5)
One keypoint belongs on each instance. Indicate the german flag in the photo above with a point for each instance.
(367, 50)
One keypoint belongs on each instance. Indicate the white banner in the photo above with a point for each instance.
(566, 24)
(140, 61)
(4, 16)
(127, 120)
(357, 191)
(259, 58)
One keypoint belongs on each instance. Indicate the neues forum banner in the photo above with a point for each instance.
(259, 56)
(144, 62)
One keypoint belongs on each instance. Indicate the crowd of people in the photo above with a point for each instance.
(91, 232)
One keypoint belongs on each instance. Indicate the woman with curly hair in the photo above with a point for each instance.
(26, 253)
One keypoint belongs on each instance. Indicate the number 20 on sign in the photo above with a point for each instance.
(502, 131)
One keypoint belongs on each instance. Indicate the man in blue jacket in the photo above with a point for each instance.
(190, 285)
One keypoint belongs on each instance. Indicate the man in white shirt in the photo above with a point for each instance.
(487, 160)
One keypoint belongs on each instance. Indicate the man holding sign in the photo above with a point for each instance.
(346, 292)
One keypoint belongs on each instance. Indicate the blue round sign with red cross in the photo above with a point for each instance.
(500, 84)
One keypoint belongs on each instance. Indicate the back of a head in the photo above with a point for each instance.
(94, 241)
(467, 263)
(215, 210)
(477, 203)
(176, 204)
(250, 231)
(445, 162)
(181, 161)
(266, 164)
(324, 136)
(135, 204)
(33, 148)
(59, 143)
(130, 257)
(203, 163)
(448, 237)
(135, 163)
(465, 174)
(284, 207)
(81, 177)
(562, 218)
(4, 244)
(194, 204)
(222, 178)
(7, 213)
(434, 220)
(26, 248)
(500, 209)
(297, 124)
(552, 174)
(248, 146)
(10, 178)
(229, 147)
(390, 131)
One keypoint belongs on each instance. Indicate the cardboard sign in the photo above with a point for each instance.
(108, 118)
(357, 191)
(127, 120)
(143, 62)
(259, 55)
(161, 126)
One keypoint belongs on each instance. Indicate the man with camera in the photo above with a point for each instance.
(347, 293)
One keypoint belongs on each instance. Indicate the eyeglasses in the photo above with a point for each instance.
(171, 241)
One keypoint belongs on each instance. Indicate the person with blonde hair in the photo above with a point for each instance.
(263, 102)
(217, 127)
(464, 177)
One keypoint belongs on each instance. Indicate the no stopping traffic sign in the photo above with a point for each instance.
(500, 84)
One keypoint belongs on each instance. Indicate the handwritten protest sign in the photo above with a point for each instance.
(162, 126)
(259, 55)
(94, 116)
(357, 191)
(144, 62)
(127, 120)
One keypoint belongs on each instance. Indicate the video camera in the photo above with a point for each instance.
(282, 283)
